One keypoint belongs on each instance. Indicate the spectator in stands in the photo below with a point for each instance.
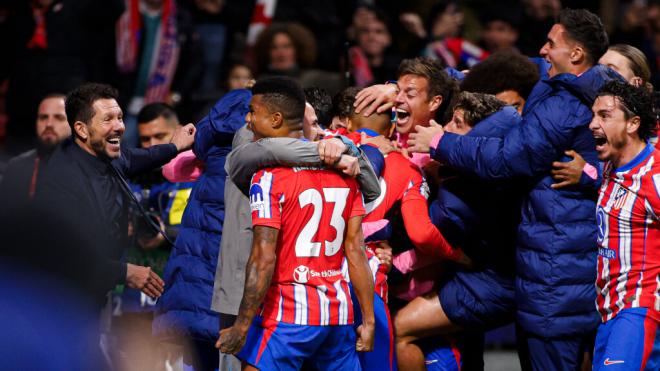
(289, 49)
(538, 18)
(19, 183)
(209, 18)
(370, 61)
(158, 57)
(284, 49)
(508, 76)
(238, 77)
(556, 327)
(446, 43)
(49, 46)
(500, 22)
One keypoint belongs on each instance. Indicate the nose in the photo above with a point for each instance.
(544, 50)
(399, 97)
(594, 124)
(119, 126)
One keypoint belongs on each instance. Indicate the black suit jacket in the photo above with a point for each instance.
(71, 187)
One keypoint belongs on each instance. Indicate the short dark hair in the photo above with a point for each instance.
(79, 103)
(633, 101)
(344, 100)
(477, 106)
(440, 83)
(322, 103)
(500, 72)
(282, 94)
(153, 111)
(585, 28)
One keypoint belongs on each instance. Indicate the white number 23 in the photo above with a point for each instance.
(304, 245)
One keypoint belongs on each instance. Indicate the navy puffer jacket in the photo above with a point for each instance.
(185, 307)
(556, 252)
(481, 216)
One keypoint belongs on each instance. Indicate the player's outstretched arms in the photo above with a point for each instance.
(258, 274)
(362, 281)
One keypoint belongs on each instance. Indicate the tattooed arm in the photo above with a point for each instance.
(258, 274)
(362, 281)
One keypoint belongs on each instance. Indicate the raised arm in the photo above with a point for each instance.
(528, 149)
(248, 158)
(136, 160)
(362, 281)
(258, 274)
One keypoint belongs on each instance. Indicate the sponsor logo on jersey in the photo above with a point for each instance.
(300, 274)
(620, 198)
(601, 217)
(256, 197)
(607, 362)
(607, 253)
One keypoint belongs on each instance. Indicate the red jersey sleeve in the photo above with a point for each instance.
(265, 195)
(357, 209)
(422, 232)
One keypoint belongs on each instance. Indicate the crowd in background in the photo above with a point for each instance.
(52, 46)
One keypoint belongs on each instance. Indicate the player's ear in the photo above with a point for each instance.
(277, 120)
(633, 124)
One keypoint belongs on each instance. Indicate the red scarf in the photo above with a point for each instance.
(166, 52)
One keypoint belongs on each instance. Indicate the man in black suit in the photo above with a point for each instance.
(85, 185)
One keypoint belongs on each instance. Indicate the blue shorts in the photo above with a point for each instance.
(441, 354)
(629, 341)
(273, 345)
(382, 357)
(481, 300)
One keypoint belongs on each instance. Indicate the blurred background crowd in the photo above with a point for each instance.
(206, 47)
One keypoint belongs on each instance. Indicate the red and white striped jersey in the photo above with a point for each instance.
(311, 209)
(629, 236)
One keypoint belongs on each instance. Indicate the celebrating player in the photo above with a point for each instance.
(628, 217)
(305, 220)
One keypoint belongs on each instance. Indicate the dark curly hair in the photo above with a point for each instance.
(322, 103)
(501, 72)
(585, 28)
(79, 102)
(301, 37)
(633, 101)
(477, 106)
(343, 102)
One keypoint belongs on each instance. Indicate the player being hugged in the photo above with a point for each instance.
(628, 216)
(296, 305)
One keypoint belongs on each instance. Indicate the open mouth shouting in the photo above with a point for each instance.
(402, 117)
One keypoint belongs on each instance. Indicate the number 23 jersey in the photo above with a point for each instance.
(311, 209)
